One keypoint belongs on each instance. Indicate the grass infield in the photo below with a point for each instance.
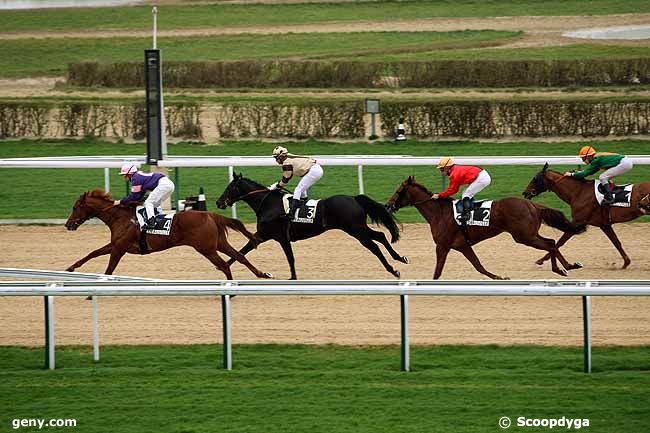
(301, 388)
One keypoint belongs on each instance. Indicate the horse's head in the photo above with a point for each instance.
(537, 185)
(238, 187)
(409, 192)
(89, 205)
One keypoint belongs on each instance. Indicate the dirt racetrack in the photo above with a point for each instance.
(336, 320)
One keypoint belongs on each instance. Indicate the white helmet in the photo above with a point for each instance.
(128, 168)
(279, 150)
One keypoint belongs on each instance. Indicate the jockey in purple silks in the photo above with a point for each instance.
(161, 188)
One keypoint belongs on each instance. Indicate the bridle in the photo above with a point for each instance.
(257, 191)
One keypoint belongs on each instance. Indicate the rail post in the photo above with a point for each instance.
(227, 336)
(586, 321)
(404, 322)
(49, 331)
(231, 176)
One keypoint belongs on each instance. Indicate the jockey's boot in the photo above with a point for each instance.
(149, 224)
(293, 207)
(608, 196)
(467, 207)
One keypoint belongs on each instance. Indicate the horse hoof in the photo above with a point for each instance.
(70, 269)
(562, 272)
(396, 274)
(578, 265)
(267, 275)
(539, 262)
(405, 260)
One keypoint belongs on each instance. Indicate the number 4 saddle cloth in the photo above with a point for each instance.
(308, 213)
(479, 215)
(163, 222)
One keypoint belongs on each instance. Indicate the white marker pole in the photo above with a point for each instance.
(154, 11)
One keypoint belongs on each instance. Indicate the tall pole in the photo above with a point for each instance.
(154, 11)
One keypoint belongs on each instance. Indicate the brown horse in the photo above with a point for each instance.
(521, 218)
(204, 231)
(579, 194)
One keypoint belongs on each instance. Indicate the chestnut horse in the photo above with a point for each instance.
(204, 231)
(521, 218)
(579, 194)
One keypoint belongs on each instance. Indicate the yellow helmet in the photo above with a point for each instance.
(586, 151)
(446, 161)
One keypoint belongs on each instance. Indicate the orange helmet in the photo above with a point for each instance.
(446, 161)
(586, 151)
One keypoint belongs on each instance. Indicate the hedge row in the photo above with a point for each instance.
(332, 74)
(332, 119)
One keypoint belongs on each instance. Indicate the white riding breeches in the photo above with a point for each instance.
(482, 181)
(624, 166)
(311, 177)
(160, 193)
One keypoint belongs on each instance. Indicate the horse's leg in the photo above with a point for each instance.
(542, 243)
(288, 251)
(226, 248)
(381, 237)
(248, 247)
(563, 240)
(470, 255)
(366, 241)
(217, 261)
(609, 231)
(116, 256)
(106, 249)
(441, 258)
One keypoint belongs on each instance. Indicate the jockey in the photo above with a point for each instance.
(614, 165)
(475, 177)
(306, 168)
(161, 188)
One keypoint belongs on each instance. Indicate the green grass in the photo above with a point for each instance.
(30, 57)
(230, 15)
(325, 388)
(565, 52)
(50, 193)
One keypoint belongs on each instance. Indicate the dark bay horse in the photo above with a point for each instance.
(204, 231)
(521, 218)
(579, 194)
(341, 212)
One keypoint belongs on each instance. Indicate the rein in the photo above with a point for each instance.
(250, 193)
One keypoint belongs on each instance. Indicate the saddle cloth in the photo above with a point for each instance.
(479, 215)
(305, 214)
(163, 222)
(622, 194)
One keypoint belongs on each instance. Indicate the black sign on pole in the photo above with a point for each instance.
(153, 77)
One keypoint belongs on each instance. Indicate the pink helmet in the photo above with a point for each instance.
(128, 168)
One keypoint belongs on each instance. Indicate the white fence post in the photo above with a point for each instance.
(107, 180)
(231, 176)
(227, 336)
(95, 330)
(50, 343)
(360, 178)
(586, 321)
(404, 307)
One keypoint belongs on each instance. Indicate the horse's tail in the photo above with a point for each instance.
(379, 215)
(234, 224)
(556, 219)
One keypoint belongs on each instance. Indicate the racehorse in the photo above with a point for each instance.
(341, 212)
(204, 231)
(521, 218)
(579, 194)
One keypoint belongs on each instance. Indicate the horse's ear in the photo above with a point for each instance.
(238, 176)
(545, 167)
(410, 180)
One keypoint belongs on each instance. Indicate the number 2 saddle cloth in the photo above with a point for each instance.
(479, 215)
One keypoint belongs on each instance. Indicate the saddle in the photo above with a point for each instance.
(621, 193)
(307, 213)
(479, 214)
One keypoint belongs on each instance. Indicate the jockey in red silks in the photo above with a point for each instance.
(475, 177)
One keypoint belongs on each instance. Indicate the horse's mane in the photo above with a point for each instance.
(257, 184)
(100, 193)
(583, 180)
(419, 185)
